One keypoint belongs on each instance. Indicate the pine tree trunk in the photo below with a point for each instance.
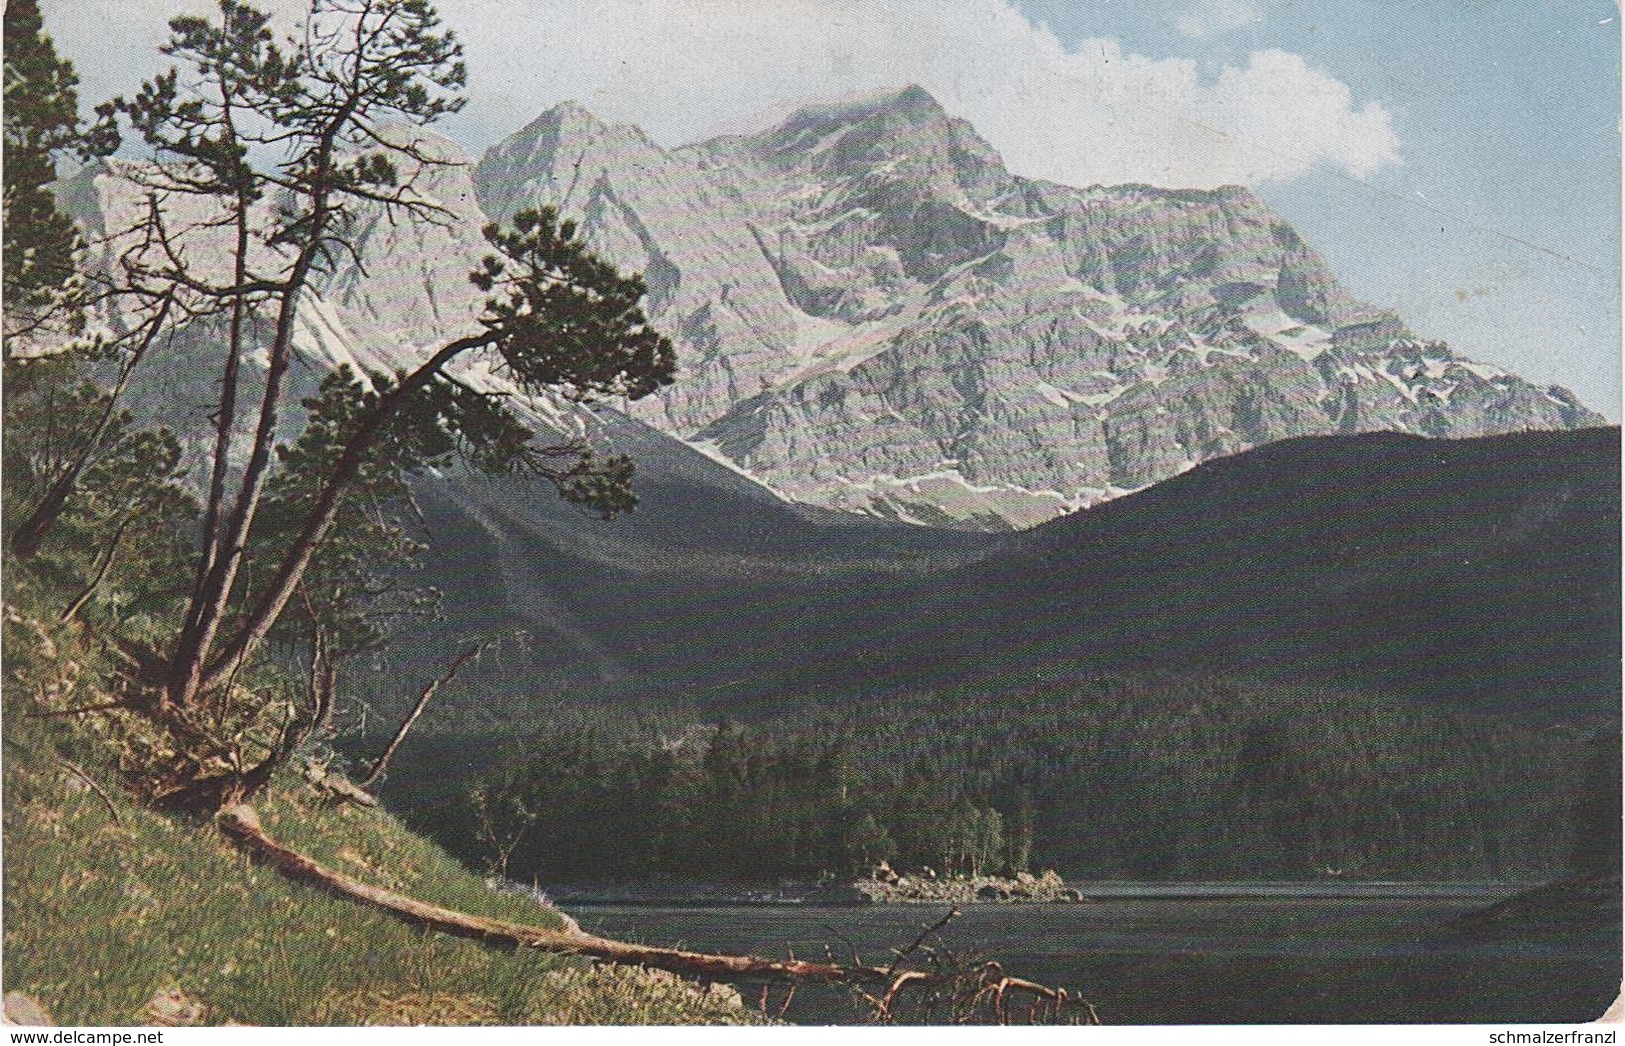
(297, 559)
(208, 607)
(225, 418)
(30, 533)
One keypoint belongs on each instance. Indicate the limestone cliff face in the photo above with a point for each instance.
(873, 314)
(413, 288)
(685, 228)
(384, 309)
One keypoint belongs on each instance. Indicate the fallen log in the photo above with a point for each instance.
(242, 823)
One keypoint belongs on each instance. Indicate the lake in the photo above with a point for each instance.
(1197, 954)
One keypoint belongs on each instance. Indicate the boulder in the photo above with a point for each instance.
(27, 1011)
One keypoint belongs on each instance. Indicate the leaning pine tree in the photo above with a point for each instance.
(558, 321)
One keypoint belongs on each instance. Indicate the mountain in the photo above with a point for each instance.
(694, 596)
(961, 297)
(1444, 613)
(1478, 577)
(878, 324)
(1166, 675)
(874, 315)
(1480, 574)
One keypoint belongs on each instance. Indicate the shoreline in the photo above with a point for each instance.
(864, 893)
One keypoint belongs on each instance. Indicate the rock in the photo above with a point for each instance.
(1069, 894)
(26, 1010)
(958, 889)
(171, 1007)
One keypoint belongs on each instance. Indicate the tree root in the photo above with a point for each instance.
(242, 823)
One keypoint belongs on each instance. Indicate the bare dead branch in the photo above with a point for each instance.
(242, 823)
(913, 946)
(458, 663)
(89, 590)
(112, 811)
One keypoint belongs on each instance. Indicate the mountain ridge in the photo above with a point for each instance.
(933, 339)
(1464, 586)
(873, 315)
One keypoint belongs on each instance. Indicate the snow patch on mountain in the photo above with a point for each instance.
(943, 498)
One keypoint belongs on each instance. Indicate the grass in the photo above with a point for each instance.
(109, 905)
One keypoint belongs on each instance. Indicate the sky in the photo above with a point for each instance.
(1456, 160)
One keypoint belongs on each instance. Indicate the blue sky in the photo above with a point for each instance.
(1507, 113)
(1457, 160)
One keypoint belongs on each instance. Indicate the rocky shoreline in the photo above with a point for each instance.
(884, 886)
(889, 887)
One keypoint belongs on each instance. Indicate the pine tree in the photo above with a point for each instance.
(559, 321)
(65, 432)
(41, 285)
(56, 419)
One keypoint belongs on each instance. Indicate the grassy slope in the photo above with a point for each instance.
(102, 913)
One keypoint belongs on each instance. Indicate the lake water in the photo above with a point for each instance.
(1197, 955)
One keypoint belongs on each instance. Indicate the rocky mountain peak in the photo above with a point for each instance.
(565, 121)
(873, 314)
(912, 104)
(547, 156)
(903, 135)
(912, 331)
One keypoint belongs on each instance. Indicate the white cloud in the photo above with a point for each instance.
(1085, 114)
(1208, 17)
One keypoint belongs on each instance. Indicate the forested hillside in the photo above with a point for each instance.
(1476, 577)
(1099, 777)
(1372, 655)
